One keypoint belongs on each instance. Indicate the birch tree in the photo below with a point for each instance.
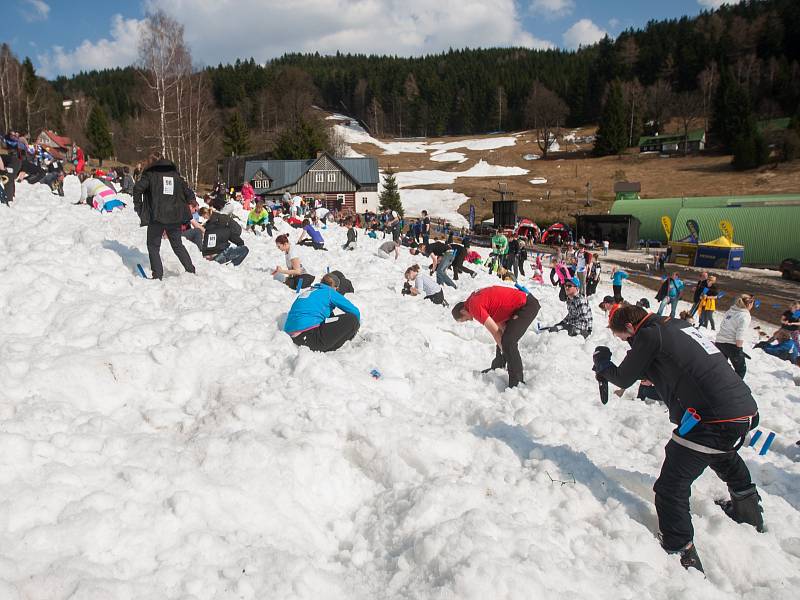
(162, 63)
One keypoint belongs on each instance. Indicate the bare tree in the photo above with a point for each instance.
(687, 106)
(660, 98)
(10, 87)
(707, 84)
(635, 99)
(545, 112)
(297, 94)
(162, 60)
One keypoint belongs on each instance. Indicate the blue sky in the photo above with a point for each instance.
(65, 36)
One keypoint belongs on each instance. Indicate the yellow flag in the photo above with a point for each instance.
(666, 223)
(727, 229)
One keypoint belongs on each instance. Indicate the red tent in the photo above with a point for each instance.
(557, 233)
(528, 229)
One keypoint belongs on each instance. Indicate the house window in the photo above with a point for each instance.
(332, 177)
(363, 199)
(320, 178)
(340, 197)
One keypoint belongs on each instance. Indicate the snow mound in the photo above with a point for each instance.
(538, 180)
(167, 440)
(354, 133)
(449, 157)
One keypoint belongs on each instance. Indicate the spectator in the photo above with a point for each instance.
(732, 332)
(670, 291)
(708, 303)
(617, 277)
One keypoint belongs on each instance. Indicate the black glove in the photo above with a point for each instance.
(601, 358)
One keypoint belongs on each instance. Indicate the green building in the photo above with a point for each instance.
(767, 226)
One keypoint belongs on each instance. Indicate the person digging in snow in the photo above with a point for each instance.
(506, 312)
(688, 372)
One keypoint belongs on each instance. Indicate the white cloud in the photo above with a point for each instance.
(583, 33)
(264, 30)
(613, 22)
(38, 10)
(217, 31)
(552, 8)
(117, 48)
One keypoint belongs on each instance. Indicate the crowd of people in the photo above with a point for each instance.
(673, 361)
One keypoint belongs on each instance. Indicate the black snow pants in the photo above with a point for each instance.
(683, 465)
(331, 335)
(735, 355)
(154, 232)
(516, 326)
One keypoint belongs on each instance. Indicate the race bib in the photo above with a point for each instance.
(212, 240)
(698, 337)
(169, 186)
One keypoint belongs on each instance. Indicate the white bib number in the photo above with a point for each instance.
(698, 337)
(169, 186)
(212, 240)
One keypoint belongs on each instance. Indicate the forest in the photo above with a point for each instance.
(666, 71)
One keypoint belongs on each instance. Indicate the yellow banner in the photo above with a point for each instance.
(727, 229)
(666, 223)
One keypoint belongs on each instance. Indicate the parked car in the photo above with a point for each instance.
(790, 268)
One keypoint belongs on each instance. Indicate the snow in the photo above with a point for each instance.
(531, 157)
(353, 133)
(538, 180)
(434, 177)
(167, 440)
(442, 204)
(448, 157)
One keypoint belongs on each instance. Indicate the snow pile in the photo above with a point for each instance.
(444, 203)
(538, 180)
(166, 440)
(433, 177)
(448, 157)
(353, 133)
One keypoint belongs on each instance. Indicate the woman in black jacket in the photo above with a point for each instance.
(688, 372)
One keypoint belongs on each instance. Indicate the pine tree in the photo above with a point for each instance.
(101, 144)
(235, 137)
(732, 113)
(390, 195)
(305, 140)
(612, 135)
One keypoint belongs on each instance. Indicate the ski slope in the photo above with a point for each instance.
(166, 440)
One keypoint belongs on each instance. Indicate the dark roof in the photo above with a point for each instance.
(627, 186)
(284, 173)
(693, 136)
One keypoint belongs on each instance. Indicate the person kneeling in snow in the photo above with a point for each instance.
(219, 231)
(310, 237)
(579, 314)
(507, 313)
(309, 320)
(688, 372)
(420, 283)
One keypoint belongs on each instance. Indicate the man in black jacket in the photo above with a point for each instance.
(688, 372)
(161, 198)
(442, 257)
(220, 231)
(698, 292)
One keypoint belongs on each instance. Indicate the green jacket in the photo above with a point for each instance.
(500, 244)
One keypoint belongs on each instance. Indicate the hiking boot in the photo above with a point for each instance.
(690, 559)
(745, 507)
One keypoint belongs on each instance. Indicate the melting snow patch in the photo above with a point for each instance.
(538, 180)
